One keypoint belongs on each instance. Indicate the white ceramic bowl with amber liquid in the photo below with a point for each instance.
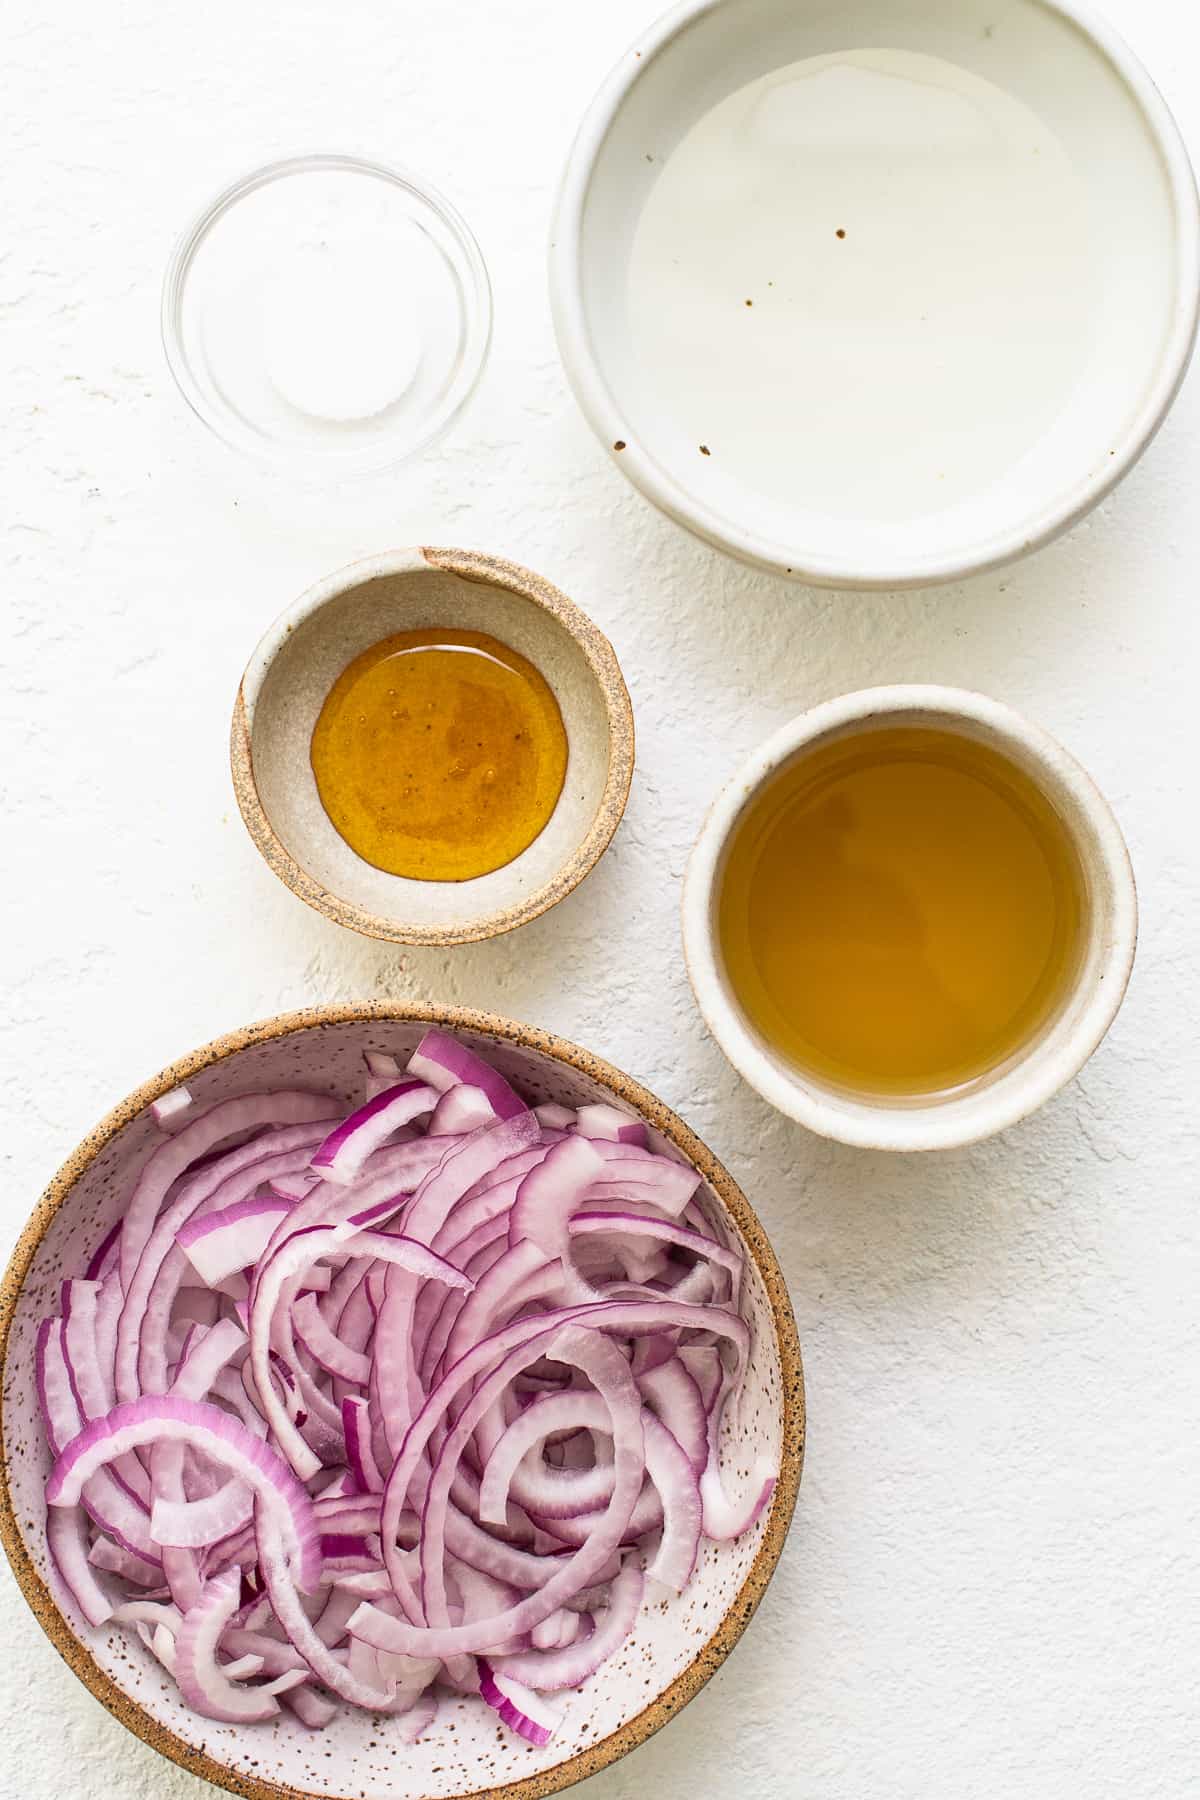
(1089, 980)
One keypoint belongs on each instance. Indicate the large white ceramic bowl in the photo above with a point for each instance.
(1060, 1048)
(675, 1646)
(915, 328)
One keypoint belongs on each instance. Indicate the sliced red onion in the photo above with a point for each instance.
(443, 1062)
(161, 1643)
(275, 1657)
(462, 1108)
(209, 1352)
(348, 1555)
(390, 1175)
(646, 1176)
(103, 1255)
(219, 1243)
(283, 1265)
(295, 1187)
(324, 1662)
(488, 1338)
(108, 1555)
(672, 1475)
(723, 1519)
(382, 1072)
(600, 1121)
(173, 1158)
(359, 1448)
(528, 1714)
(282, 1684)
(669, 1390)
(703, 1364)
(81, 1341)
(627, 1225)
(343, 1153)
(194, 1524)
(337, 1610)
(149, 1294)
(195, 1306)
(66, 1539)
(203, 1427)
(350, 1512)
(312, 1709)
(110, 1505)
(547, 1493)
(604, 1365)
(551, 1193)
(169, 1109)
(571, 1664)
(417, 1720)
(522, 1274)
(149, 1612)
(204, 1684)
(325, 1347)
(244, 1666)
(464, 1164)
(488, 1203)
(372, 1584)
(555, 1117)
(559, 1630)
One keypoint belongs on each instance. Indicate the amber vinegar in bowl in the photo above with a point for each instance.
(909, 918)
(901, 911)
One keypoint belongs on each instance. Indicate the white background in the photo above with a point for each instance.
(992, 1587)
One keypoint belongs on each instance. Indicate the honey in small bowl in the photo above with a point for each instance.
(439, 754)
(901, 911)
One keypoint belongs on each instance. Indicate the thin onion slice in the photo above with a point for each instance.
(530, 1715)
(206, 1686)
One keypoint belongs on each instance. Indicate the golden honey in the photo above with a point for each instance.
(901, 911)
(439, 754)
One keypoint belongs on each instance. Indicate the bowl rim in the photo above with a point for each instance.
(599, 407)
(493, 571)
(1033, 1078)
(708, 1657)
(477, 312)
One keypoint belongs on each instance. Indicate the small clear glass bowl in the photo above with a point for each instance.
(327, 314)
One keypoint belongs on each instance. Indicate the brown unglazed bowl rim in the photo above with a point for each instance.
(738, 1614)
(492, 571)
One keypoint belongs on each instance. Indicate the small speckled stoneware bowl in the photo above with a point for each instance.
(675, 1647)
(298, 661)
(1053, 1056)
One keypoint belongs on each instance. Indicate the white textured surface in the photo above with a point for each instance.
(993, 1584)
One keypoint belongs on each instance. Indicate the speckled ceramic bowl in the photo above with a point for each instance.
(300, 658)
(1054, 1055)
(1131, 192)
(675, 1647)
